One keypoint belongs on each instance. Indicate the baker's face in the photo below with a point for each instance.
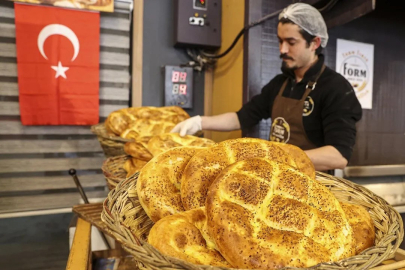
(294, 49)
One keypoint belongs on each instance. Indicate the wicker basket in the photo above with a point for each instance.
(113, 170)
(129, 223)
(112, 145)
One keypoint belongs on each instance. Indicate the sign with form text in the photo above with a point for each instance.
(355, 61)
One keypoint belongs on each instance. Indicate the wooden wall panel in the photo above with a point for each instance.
(228, 73)
(49, 146)
(34, 160)
(16, 165)
(13, 108)
(137, 53)
(43, 202)
(16, 128)
(29, 183)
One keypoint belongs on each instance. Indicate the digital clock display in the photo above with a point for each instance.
(179, 86)
(179, 76)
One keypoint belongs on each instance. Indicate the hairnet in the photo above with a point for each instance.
(308, 18)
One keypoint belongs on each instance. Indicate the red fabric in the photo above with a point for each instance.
(44, 99)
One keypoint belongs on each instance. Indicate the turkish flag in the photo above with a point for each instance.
(58, 65)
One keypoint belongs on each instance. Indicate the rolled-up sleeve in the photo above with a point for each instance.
(341, 111)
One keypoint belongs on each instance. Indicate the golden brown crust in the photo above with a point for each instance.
(130, 135)
(158, 185)
(207, 164)
(147, 127)
(173, 114)
(129, 167)
(160, 143)
(262, 214)
(144, 140)
(304, 164)
(362, 225)
(117, 122)
(133, 165)
(138, 164)
(130, 123)
(138, 151)
(184, 236)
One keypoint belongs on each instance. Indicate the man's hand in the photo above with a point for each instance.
(188, 127)
(326, 158)
(222, 122)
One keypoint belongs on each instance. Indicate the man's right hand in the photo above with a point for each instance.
(188, 127)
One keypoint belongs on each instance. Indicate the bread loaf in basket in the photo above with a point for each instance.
(261, 214)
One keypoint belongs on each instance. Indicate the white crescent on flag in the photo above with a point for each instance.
(58, 29)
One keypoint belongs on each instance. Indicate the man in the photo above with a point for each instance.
(311, 106)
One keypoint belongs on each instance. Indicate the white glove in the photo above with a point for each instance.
(188, 127)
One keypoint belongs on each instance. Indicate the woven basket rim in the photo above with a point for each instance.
(113, 160)
(366, 259)
(113, 170)
(101, 131)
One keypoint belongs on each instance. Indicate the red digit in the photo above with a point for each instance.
(183, 76)
(175, 76)
(183, 89)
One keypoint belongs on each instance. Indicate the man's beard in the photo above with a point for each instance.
(284, 63)
(286, 67)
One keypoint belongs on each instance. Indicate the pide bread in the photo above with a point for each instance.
(133, 165)
(185, 236)
(205, 166)
(244, 203)
(264, 214)
(148, 146)
(144, 121)
(160, 143)
(118, 121)
(304, 164)
(159, 181)
(362, 225)
(148, 127)
(138, 151)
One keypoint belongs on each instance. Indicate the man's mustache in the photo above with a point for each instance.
(285, 56)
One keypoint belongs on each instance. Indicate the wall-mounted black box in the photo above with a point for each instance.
(197, 23)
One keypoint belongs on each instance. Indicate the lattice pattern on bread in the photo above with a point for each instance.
(158, 185)
(205, 166)
(144, 121)
(163, 142)
(265, 214)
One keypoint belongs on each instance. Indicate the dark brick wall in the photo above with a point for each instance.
(381, 132)
(262, 59)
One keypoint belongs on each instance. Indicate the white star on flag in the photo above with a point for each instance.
(60, 70)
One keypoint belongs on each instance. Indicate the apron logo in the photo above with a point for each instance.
(308, 106)
(280, 130)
